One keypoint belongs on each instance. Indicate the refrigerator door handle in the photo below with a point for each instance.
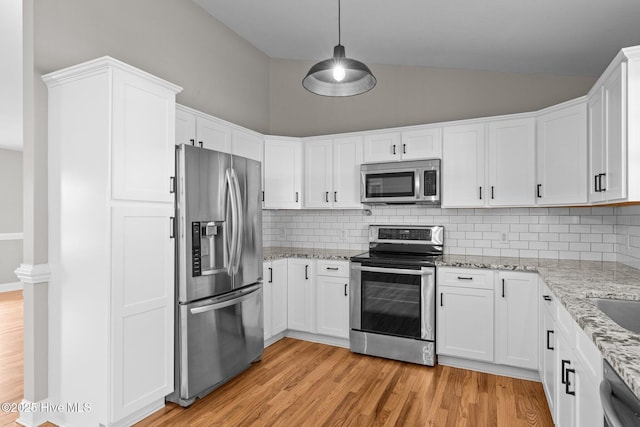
(234, 222)
(227, 300)
(239, 229)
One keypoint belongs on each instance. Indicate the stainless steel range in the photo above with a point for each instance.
(392, 303)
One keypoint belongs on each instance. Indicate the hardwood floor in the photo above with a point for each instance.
(302, 383)
(11, 353)
(299, 383)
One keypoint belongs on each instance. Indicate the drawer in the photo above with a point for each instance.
(548, 300)
(333, 268)
(465, 277)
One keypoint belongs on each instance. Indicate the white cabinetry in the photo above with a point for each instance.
(301, 291)
(511, 162)
(382, 147)
(414, 144)
(332, 172)
(333, 298)
(465, 313)
(275, 297)
(516, 334)
(196, 128)
(608, 137)
(463, 166)
(282, 169)
(111, 247)
(548, 347)
(561, 155)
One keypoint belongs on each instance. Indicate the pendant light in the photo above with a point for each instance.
(339, 76)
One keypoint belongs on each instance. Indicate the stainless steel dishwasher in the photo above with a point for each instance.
(621, 408)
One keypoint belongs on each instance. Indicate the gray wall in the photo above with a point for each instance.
(10, 213)
(410, 96)
(221, 73)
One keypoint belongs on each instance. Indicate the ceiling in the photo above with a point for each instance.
(11, 75)
(567, 37)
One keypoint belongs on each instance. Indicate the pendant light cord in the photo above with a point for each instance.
(339, 39)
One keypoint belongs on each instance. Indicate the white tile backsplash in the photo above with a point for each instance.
(599, 233)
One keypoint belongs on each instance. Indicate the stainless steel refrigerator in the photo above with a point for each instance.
(219, 323)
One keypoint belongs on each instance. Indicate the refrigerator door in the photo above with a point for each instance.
(219, 338)
(248, 260)
(206, 229)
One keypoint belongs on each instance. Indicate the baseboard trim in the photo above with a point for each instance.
(141, 413)
(320, 339)
(490, 368)
(13, 286)
(34, 413)
(33, 273)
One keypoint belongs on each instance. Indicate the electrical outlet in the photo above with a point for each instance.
(504, 237)
(343, 235)
(283, 233)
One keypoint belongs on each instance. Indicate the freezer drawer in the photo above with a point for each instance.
(219, 338)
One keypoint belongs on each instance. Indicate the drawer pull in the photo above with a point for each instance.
(548, 340)
(345, 289)
(464, 278)
(568, 383)
(546, 297)
(333, 268)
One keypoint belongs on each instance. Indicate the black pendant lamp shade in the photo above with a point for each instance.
(339, 76)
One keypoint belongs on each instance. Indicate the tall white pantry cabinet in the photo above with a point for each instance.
(111, 241)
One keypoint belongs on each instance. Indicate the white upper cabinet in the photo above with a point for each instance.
(608, 137)
(247, 144)
(422, 144)
(196, 128)
(213, 135)
(382, 147)
(463, 166)
(331, 173)
(561, 155)
(408, 145)
(511, 162)
(282, 169)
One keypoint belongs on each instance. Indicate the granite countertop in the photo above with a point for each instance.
(572, 282)
(272, 253)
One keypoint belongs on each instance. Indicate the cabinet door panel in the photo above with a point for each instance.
(247, 145)
(282, 174)
(511, 163)
(318, 185)
(465, 323)
(185, 127)
(562, 156)
(615, 113)
(347, 158)
(549, 348)
(279, 296)
(267, 297)
(422, 144)
(596, 144)
(333, 306)
(301, 295)
(516, 297)
(463, 167)
(143, 148)
(142, 307)
(213, 135)
(382, 147)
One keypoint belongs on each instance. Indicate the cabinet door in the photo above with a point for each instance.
(347, 158)
(185, 127)
(267, 297)
(301, 295)
(143, 139)
(548, 355)
(463, 168)
(562, 156)
(318, 185)
(614, 182)
(382, 147)
(282, 173)
(213, 135)
(333, 306)
(142, 307)
(516, 305)
(247, 145)
(279, 296)
(587, 398)
(565, 402)
(465, 323)
(422, 144)
(596, 145)
(511, 163)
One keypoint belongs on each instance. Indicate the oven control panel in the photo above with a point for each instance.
(404, 234)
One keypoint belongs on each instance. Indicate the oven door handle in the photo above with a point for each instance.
(421, 272)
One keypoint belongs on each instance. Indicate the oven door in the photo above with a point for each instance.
(393, 301)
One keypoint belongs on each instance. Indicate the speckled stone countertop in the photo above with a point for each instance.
(572, 282)
(272, 253)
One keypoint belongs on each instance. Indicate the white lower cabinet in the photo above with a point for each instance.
(548, 347)
(301, 295)
(275, 297)
(333, 298)
(516, 297)
(465, 313)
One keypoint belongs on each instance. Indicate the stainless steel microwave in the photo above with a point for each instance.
(409, 182)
